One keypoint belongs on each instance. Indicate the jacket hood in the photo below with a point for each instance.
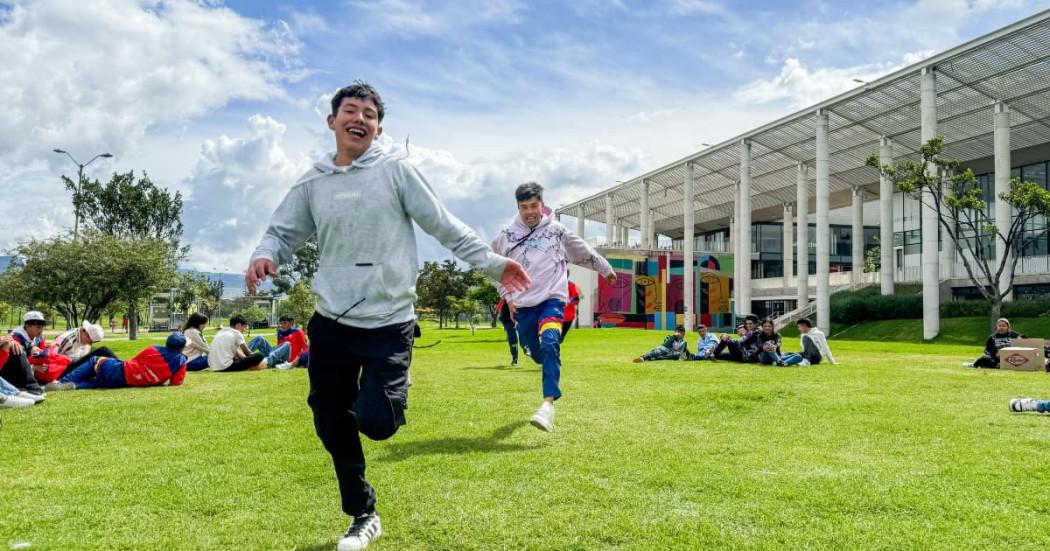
(371, 156)
(521, 226)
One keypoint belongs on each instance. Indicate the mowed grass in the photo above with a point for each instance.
(896, 447)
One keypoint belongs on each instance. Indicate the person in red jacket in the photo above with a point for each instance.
(295, 337)
(570, 310)
(152, 367)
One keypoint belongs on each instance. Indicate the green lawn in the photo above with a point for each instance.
(897, 447)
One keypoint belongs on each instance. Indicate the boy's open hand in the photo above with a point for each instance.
(514, 278)
(257, 272)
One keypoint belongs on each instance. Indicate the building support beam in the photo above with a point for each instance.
(581, 222)
(886, 191)
(687, 248)
(650, 231)
(789, 245)
(609, 222)
(931, 300)
(744, 223)
(823, 237)
(802, 242)
(1003, 212)
(643, 229)
(857, 235)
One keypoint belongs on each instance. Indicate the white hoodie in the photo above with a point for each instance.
(543, 253)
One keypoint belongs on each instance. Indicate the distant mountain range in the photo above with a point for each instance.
(233, 284)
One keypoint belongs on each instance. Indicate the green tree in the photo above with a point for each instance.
(438, 282)
(302, 267)
(300, 302)
(966, 219)
(254, 314)
(485, 294)
(463, 307)
(873, 258)
(135, 209)
(190, 287)
(82, 278)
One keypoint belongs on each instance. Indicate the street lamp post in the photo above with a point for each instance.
(80, 179)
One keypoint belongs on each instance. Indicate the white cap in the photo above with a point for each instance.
(33, 315)
(93, 330)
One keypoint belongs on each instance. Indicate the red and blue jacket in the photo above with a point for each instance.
(23, 339)
(295, 338)
(155, 365)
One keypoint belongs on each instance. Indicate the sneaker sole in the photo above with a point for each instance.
(379, 532)
(540, 425)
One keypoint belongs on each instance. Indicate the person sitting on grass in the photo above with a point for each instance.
(228, 351)
(744, 348)
(674, 347)
(196, 350)
(769, 344)
(273, 356)
(24, 347)
(294, 337)
(1002, 338)
(812, 353)
(9, 390)
(152, 367)
(705, 344)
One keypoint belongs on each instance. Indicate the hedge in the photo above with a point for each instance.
(852, 307)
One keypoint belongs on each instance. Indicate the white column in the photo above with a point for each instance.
(857, 239)
(651, 231)
(823, 229)
(802, 240)
(1003, 212)
(931, 300)
(581, 222)
(609, 222)
(745, 227)
(789, 245)
(643, 226)
(624, 232)
(886, 270)
(736, 250)
(557, 216)
(687, 247)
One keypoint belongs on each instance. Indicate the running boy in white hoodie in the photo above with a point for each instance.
(361, 204)
(543, 246)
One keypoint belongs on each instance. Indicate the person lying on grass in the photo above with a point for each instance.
(769, 343)
(705, 344)
(152, 367)
(814, 346)
(674, 347)
(744, 348)
(1002, 338)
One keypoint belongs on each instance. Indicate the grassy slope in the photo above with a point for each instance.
(896, 447)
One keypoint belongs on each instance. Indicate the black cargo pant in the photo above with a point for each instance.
(18, 372)
(358, 384)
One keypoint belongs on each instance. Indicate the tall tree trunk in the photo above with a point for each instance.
(133, 321)
(997, 311)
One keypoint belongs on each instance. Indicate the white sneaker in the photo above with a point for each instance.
(11, 402)
(59, 385)
(284, 365)
(362, 531)
(543, 419)
(36, 398)
(1017, 405)
(968, 364)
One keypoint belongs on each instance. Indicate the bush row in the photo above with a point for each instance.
(868, 305)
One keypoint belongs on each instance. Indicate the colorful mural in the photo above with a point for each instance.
(648, 292)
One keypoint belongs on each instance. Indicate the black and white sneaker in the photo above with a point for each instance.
(362, 531)
(1018, 405)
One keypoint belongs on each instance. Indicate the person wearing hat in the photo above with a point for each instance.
(1002, 338)
(75, 344)
(26, 343)
(152, 367)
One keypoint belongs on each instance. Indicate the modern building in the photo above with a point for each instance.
(742, 202)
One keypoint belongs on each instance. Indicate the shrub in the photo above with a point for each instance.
(868, 305)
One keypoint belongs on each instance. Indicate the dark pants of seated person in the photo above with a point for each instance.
(17, 371)
(101, 351)
(245, 363)
(728, 350)
(987, 362)
(197, 364)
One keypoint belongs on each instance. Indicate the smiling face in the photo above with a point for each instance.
(34, 329)
(749, 325)
(767, 327)
(1002, 327)
(355, 124)
(85, 338)
(285, 325)
(531, 211)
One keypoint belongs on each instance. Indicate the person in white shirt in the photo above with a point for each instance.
(229, 352)
(75, 344)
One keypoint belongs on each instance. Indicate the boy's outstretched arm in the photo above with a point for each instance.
(424, 207)
(290, 226)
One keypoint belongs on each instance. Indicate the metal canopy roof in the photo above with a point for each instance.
(1010, 65)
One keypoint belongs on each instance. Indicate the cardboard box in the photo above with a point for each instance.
(1021, 358)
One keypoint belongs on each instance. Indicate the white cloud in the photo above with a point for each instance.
(421, 17)
(801, 86)
(685, 7)
(650, 116)
(234, 187)
(97, 77)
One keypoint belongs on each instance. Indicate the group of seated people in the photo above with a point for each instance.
(755, 342)
(29, 366)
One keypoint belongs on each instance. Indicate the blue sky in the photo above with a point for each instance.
(225, 101)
